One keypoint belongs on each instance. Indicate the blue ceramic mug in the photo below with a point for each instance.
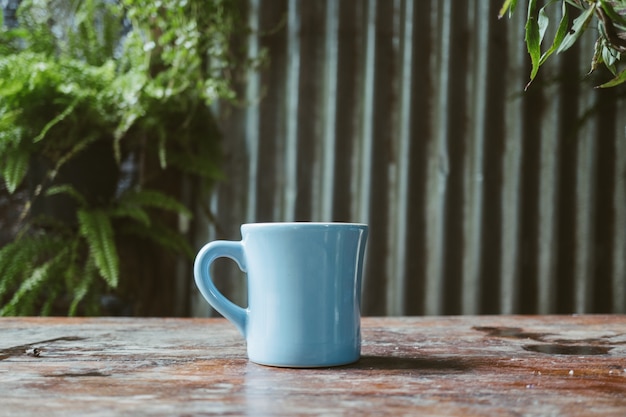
(304, 291)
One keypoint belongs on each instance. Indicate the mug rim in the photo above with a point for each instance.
(305, 224)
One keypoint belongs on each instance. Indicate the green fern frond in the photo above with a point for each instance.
(10, 82)
(162, 147)
(17, 259)
(95, 227)
(87, 277)
(71, 271)
(23, 300)
(154, 199)
(29, 286)
(9, 129)
(14, 168)
(75, 150)
(80, 280)
(133, 212)
(69, 190)
(161, 235)
(196, 165)
(57, 119)
(52, 293)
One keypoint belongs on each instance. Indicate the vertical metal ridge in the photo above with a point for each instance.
(584, 259)
(512, 170)
(585, 197)
(618, 280)
(550, 183)
(473, 163)
(364, 147)
(438, 170)
(363, 144)
(253, 92)
(547, 240)
(396, 303)
(287, 210)
(330, 111)
(394, 299)
(547, 202)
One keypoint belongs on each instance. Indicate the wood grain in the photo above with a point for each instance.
(466, 366)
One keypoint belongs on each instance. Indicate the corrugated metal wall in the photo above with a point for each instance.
(411, 116)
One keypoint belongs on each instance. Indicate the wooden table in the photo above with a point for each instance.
(465, 366)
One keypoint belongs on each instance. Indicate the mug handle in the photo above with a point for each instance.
(209, 253)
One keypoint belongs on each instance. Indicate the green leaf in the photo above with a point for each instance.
(533, 39)
(619, 79)
(561, 32)
(610, 57)
(542, 22)
(95, 227)
(15, 168)
(598, 57)
(579, 26)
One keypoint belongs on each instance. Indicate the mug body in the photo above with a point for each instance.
(304, 292)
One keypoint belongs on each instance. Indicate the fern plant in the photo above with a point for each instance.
(127, 83)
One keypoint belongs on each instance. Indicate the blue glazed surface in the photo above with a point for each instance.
(304, 291)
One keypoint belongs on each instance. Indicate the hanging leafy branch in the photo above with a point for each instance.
(608, 16)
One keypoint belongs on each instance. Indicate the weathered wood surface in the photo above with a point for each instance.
(466, 366)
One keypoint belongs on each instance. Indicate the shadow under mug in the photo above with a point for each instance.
(304, 291)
